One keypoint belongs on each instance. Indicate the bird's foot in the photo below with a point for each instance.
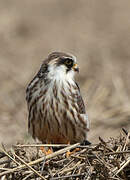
(69, 153)
(46, 152)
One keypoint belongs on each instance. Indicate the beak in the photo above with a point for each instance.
(75, 67)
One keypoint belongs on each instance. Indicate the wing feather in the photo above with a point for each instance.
(80, 102)
(82, 109)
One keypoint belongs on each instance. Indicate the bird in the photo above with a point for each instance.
(56, 110)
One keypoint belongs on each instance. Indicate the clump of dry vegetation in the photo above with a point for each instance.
(105, 160)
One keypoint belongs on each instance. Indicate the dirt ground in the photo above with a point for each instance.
(96, 32)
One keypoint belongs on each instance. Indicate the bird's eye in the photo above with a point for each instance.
(68, 62)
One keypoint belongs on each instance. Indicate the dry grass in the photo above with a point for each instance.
(105, 160)
(96, 32)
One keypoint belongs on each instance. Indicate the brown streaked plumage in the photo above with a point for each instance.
(56, 109)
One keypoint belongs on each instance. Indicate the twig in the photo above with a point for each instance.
(114, 170)
(126, 142)
(2, 154)
(28, 176)
(64, 167)
(52, 145)
(123, 167)
(71, 168)
(41, 159)
(106, 154)
(36, 172)
(43, 164)
(102, 141)
(69, 176)
(5, 169)
(102, 161)
(9, 156)
(118, 152)
(4, 162)
(41, 145)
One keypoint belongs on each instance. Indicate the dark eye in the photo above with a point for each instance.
(68, 62)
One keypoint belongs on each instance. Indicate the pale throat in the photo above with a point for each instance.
(60, 75)
(60, 79)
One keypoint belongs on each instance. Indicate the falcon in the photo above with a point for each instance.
(56, 109)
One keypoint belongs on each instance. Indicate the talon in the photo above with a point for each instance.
(74, 151)
(49, 151)
(68, 154)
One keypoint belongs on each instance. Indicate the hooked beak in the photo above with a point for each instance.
(75, 67)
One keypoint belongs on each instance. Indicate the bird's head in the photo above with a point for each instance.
(61, 64)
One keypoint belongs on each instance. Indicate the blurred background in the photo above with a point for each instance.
(96, 32)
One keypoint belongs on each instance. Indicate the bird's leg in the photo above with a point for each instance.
(85, 142)
(68, 152)
(46, 152)
(71, 152)
(50, 151)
